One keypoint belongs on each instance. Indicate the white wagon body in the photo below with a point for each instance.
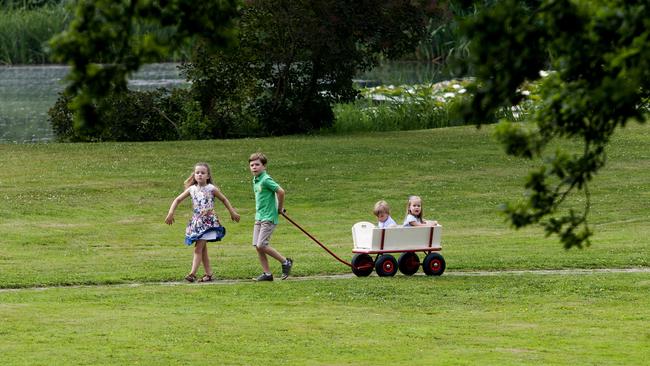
(370, 239)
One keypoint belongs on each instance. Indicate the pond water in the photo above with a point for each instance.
(28, 92)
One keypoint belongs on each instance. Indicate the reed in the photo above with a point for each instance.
(24, 33)
(26, 30)
(28, 4)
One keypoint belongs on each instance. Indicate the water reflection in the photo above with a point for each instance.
(27, 92)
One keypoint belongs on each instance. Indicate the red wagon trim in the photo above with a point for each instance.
(367, 251)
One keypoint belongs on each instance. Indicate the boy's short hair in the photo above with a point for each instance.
(258, 156)
(381, 206)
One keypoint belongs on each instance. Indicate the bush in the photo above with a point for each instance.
(222, 87)
(153, 116)
(133, 116)
(292, 115)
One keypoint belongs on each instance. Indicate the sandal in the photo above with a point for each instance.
(190, 278)
(206, 278)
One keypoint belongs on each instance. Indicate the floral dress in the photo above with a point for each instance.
(204, 224)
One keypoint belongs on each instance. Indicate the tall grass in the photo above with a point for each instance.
(24, 33)
(406, 107)
(365, 116)
(28, 4)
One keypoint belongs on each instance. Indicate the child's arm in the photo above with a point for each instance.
(233, 213)
(415, 224)
(424, 223)
(170, 215)
(280, 195)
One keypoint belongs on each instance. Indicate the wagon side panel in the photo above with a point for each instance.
(416, 238)
(362, 235)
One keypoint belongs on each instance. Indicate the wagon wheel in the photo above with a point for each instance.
(434, 264)
(386, 265)
(362, 265)
(408, 263)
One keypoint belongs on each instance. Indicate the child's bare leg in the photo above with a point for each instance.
(206, 260)
(198, 256)
(274, 253)
(264, 261)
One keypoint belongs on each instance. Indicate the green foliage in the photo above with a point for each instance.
(135, 116)
(601, 80)
(106, 31)
(443, 39)
(296, 58)
(222, 88)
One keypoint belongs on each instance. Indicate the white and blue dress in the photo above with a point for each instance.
(204, 224)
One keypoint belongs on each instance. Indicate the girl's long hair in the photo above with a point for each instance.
(408, 206)
(190, 181)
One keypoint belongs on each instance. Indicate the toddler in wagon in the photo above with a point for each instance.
(382, 211)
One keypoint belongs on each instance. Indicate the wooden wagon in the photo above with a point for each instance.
(369, 239)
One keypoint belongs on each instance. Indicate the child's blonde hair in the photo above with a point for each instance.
(408, 206)
(190, 181)
(381, 207)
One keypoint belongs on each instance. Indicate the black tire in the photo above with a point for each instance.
(434, 264)
(386, 265)
(362, 265)
(408, 263)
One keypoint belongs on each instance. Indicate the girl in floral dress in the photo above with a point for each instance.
(204, 226)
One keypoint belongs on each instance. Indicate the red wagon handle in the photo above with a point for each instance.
(283, 213)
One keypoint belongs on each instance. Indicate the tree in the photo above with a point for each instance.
(599, 59)
(302, 56)
(103, 46)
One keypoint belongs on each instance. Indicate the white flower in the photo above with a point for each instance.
(525, 92)
(543, 73)
(462, 91)
(449, 95)
(456, 86)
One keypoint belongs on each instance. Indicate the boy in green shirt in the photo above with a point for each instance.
(269, 202)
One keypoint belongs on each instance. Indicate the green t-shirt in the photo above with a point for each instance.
(266, 205)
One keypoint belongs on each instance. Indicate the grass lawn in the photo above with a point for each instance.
(92, 214)
(590, 319)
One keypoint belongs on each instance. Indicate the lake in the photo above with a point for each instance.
(28, 92)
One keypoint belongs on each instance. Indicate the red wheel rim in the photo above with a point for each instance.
(435, 265)
(387, 266)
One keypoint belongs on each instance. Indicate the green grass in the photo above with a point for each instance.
(452, 320)
(92, 214)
